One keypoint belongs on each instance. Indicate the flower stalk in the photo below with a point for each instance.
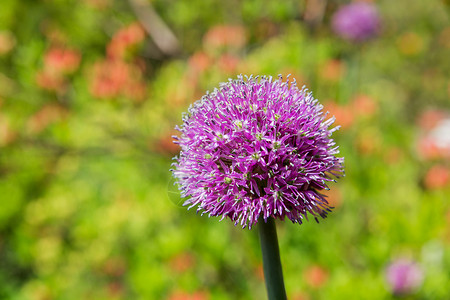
(273, 273)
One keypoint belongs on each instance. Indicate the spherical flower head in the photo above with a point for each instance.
(404, 276)
(356, 22)
(257, 147)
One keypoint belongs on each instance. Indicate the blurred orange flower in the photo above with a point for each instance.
(427, 148)
(437, 177)
(50, 81)
(124, 39)
(45, 116)
(364, 106)
(315, 276)
(434, 142)
(334, 196)
(228, 63)
(295, 73)
(61, 60)
(199, 62)
(182, 262)
(181, 295)
(332, 70)
(58, 62)
(343, 113)
(366, 145)
(7, 42)
(112, 78)
(393, 155)
(165, 145)
(233, 36)
(430, 118)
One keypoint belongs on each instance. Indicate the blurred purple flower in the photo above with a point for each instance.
(404, 276)
(257, 147)
(356, 21)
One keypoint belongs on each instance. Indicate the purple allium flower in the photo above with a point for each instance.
(404, 276)
(257, 147)
(356, 21)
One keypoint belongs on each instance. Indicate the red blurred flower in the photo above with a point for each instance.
(430, 118)
(393, 155)
(315, 276)
(228, 63)
(294, 73)
(61, 60)
(124, 39)
(182, 262)
(343, 113)
(364, 106)
(361, 106)
(437, 177)
(369, 141)
(199, 62)
(165, 145)
(181, 295)
(58, 62)
(427, 148)
(434, 142)
(7, 42)
(50, 81)
(334, 196)
(332, 70)
(47, 115)
(135, 90)
(233, 36)
(112, 78)
(109, 78)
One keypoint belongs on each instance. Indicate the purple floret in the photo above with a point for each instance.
(257, 147)
(356, 22)
(404, 276)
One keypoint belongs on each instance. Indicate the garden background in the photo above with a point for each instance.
(90, 93)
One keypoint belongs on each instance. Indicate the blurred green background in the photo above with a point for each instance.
(90, 91)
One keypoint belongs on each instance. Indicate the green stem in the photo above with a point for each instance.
(271, 260)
